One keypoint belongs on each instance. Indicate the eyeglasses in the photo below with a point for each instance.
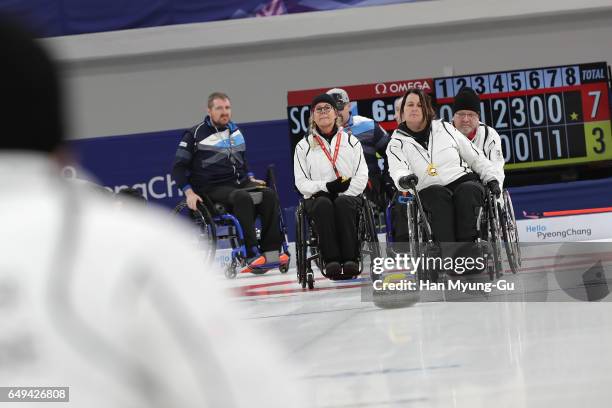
(466, 115)
(323, 109)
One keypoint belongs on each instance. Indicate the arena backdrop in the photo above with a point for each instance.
(50, 18)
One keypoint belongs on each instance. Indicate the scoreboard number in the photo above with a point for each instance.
(596, 95)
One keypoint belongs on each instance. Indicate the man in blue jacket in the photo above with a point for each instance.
(211, 161)
(374, 140)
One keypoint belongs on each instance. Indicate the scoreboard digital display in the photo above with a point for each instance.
(548, 116)
(545, 116)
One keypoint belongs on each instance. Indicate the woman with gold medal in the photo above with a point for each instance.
(448, 170)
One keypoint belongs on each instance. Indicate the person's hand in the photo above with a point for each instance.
(389, 187)
(339, 185)
(257, 181)
(408, 181)
(494, 187)
(192, 199)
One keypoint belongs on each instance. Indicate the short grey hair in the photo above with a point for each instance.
(216, 95)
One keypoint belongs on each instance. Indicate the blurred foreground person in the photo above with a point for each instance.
(114, 305)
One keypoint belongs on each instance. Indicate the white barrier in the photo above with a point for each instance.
(568, 228)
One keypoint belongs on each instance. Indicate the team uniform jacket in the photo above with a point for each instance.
(450, 151)
(487, 139)
(313, 170)
(208, 155)
(373, 140)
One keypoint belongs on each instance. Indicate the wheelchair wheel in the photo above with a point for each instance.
(230, 270)
(510, 233)
(310, 279)
(370, 231)
(301, 248)
(205, 232)
(495, 237)
(368, 237)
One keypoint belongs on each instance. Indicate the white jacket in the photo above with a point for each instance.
(117, 304)
(313, 170)
(487, 139)
(453, 156)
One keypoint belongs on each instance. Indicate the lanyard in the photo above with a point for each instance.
(336, 150)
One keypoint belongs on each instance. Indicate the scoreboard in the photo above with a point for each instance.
(547, 116)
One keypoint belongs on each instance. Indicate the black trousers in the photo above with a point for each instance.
(399, 222)
(238, 200)
(453, 209)
(335, 220)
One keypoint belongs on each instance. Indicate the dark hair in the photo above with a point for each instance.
(216, 95)
(429, 113)
(131, 194)
(30, 86)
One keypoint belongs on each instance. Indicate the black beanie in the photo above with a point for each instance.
(30, 90)
(323, 98)
(466, 99)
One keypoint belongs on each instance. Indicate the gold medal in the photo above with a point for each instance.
(431, 169)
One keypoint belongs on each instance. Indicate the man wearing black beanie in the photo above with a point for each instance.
(104, 308)
(466, 112)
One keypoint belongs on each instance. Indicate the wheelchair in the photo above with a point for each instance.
(498, 227)
(376, 201)
(421, 239)
(306, 241)
(495, 225)
(213, 222)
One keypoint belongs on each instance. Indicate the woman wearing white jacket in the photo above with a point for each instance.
(330, 172)
(445, 166)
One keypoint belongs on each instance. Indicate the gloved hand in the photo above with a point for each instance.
(389, 187)
(408, 181)
(494, 187)
(339, 185)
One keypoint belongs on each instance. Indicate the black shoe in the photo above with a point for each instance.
(332, 269)
(350, 269)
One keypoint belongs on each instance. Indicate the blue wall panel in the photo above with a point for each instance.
(145, 160)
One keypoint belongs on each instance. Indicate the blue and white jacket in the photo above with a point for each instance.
(373, 139)
(208, 156)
